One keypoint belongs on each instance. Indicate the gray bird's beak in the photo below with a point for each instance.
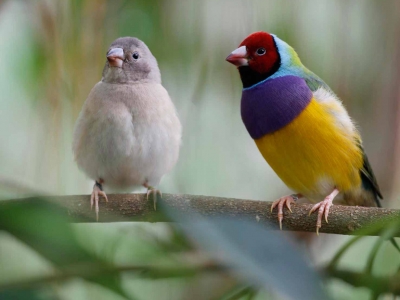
(116, 57)
(238, 57)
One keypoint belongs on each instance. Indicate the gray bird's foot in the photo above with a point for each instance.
(323, 208)
(154, 194)
(285, 200)
(94, 198)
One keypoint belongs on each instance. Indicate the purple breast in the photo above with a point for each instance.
(271, 105)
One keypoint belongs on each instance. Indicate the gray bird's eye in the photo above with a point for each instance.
(135, 55)
(261, 51)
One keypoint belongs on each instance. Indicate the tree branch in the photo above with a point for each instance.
(135, 207)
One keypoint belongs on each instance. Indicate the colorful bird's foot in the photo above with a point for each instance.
(286, 200)
(323, 208)
(154, 194)
(94, 198)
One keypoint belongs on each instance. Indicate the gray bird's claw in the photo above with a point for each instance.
(154, 194)
(94, 198)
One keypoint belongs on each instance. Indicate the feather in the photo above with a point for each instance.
(336, 109)
(318, 150)
(302, 128)
(312, 156)
(368, 177)
(291, 65)
(314, 82)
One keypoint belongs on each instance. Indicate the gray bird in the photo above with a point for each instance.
(128, 133)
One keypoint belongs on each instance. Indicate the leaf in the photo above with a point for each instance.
(43, 226)
(237, 293)
(19, 295)
(259, 256)
(375, 227)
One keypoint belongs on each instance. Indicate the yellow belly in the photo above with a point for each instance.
(313, 155)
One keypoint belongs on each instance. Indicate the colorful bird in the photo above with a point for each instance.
(301, 128)
(128, 133)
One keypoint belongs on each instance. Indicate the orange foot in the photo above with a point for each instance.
(97, 190)
(286, 200)
(323, 208)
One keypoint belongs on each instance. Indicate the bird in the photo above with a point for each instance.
(128, 133)
(302, 129)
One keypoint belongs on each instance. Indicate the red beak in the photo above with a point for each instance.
(238, 57)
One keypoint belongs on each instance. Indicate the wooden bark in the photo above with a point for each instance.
(136, 208)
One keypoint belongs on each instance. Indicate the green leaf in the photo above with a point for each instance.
(19, 295)
(43, 226)
(259, 256)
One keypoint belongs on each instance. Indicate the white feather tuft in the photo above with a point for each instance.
(336, 109)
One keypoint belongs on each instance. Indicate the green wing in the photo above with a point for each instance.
(314, 82)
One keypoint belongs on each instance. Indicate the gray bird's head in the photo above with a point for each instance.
(129, 60)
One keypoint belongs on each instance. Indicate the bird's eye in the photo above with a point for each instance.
(261, 51)
(135, 55)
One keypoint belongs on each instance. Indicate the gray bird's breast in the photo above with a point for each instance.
(127, 135)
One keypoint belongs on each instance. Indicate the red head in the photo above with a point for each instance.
(257, 57)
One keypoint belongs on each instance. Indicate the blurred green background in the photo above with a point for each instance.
(52, 53)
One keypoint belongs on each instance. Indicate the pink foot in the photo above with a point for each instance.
(154, 194)
(286, 200)
(323, 208)
(94, 198)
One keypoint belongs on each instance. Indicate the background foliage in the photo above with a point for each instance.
(53, 53)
